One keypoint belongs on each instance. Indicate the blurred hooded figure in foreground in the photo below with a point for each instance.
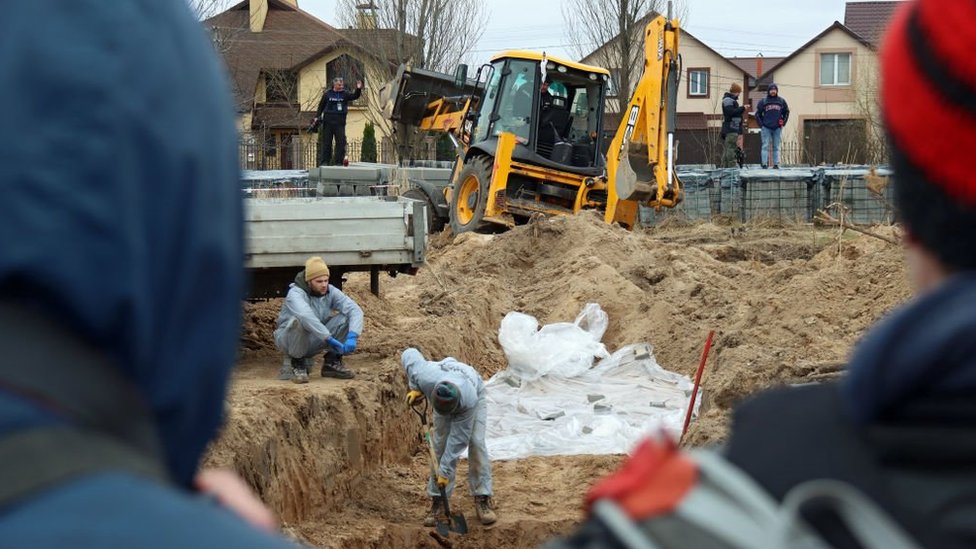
(121, 277)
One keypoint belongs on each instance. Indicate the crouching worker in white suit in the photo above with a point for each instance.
(316, 317)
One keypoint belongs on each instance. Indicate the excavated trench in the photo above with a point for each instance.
(342, 465)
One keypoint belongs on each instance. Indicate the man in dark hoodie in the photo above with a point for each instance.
(900, 427)
(121, 279)
(772, 112)
(732, 124)
(316, 317)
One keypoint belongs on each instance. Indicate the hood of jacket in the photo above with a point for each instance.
(925, 350)
(303, 284)
(121, 213)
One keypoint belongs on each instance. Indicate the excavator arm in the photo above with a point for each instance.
(640, 158)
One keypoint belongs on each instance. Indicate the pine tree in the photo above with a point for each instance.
(368, 152)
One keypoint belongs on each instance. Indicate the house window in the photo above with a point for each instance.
(349, 69)
(835, 69)
(613, 84)
(698, 82)
(281, 86)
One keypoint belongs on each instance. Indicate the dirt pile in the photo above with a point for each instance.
(787, 304)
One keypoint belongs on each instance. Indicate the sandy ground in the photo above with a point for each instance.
(341, 462)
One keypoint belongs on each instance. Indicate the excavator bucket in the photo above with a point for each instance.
(407, 98)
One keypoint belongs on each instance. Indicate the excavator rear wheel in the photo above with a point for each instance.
(470, 195)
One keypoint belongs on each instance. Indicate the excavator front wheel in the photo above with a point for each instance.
(470, 195)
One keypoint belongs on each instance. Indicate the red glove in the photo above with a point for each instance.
(781, 122)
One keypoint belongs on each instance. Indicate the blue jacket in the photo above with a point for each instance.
(122, 221)
(770, 109)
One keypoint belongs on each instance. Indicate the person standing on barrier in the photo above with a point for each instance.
(331, 121)
(733, 117)
(772, 112)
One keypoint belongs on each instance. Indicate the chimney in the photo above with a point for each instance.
(759, 65)
(259, 13)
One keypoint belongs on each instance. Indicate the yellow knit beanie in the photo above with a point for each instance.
(315, 267)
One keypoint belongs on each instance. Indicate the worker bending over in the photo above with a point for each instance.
(456, 392)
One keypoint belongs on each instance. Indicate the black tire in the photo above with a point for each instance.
(470, 195)
(434, 223)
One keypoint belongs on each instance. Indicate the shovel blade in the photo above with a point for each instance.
(443, 527)
(459, 524)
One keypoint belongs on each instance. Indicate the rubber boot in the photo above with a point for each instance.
(483, 507)
(436, 510)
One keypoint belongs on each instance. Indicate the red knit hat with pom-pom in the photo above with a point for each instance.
(929, 92)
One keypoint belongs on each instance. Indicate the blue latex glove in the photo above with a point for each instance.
(336, 345)
(350, 344)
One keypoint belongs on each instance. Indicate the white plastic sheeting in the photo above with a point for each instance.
(553, 400)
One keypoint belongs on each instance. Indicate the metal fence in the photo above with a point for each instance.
(787, 195)
(274, 151)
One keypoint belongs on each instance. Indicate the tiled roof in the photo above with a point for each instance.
(869, 19)
(290, 39)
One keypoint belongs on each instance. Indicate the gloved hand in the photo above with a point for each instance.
(442, 482)
(782, 122)
(336, 345)
(414, 396)
(350, 344)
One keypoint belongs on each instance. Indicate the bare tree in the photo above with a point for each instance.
(433, 34)
(612, 31)
(430, 34)
(206, 8)
(867, 105)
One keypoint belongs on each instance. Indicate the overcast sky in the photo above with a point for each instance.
(734, 29)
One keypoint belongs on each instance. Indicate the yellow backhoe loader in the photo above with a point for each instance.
(529, 133)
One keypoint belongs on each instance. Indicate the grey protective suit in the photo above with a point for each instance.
(463, 429)
(306, 321)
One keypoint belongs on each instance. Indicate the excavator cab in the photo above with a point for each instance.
(553, 107)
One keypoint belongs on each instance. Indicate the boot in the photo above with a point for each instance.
(483, 507)
(332, 366)
(436, 510)
(285, 372)
(299, 371)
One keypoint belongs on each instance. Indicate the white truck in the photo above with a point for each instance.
(351, 233)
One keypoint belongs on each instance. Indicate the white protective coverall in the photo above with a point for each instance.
(306, 322)
(465, 428)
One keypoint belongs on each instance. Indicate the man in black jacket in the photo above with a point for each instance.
(733, 116)
(331, 119)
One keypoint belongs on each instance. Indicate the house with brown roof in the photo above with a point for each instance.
(831, 86)
(279, 60)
